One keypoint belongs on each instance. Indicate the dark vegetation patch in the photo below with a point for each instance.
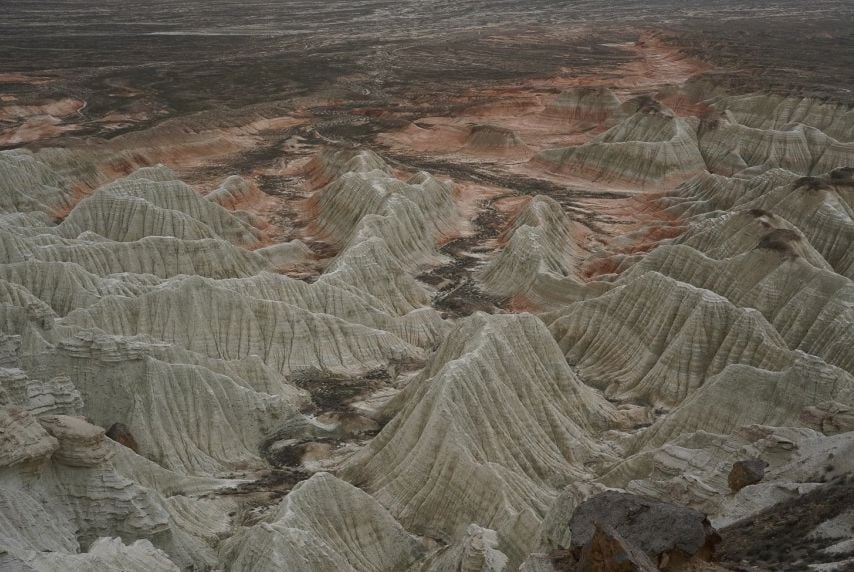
(459, 294)
(271, 486)
(812, 184)
(780, 240)
(778, 538)
(290, 455)
(465, 298)
(842, 174)
(330, 392)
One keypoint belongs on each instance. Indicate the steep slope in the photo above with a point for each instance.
(496, 421)
(130, 209)
(810, 307)
(538, 241)
(651, 146)
(665, 339)
(196, 315)
(592, 105)
(324, 524)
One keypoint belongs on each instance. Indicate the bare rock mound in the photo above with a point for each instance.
(494, 140)
(744, 473)
(538, 244)
(650, 146)
(327, 525)
(495, 422)
(615, 527)
(594, 105)
(130, 209)
(235, 192)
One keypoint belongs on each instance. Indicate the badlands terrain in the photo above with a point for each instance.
(427, 286)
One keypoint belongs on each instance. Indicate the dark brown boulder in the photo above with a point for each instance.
(746, 473)
(607, 551)
(120, 433)
(610, 530)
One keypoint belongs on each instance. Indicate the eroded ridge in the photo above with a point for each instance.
(424, 347)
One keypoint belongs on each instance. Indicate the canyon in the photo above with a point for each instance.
(421, 286)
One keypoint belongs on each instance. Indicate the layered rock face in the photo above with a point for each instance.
(652, 145)
(175, 396)
(136, 311)
(539, 250)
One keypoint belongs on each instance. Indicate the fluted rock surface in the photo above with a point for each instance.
(409, 216)
(60, 489)
(811, 308)
(650, 146)
(161, 256)
(27, 184)
(176, 392)
(331, 163)
(177, 412)
(588, 105)
(745, 395)
(496, 422)
(768, 111)
(234, 192)
(665, 339)
(198, 316)
(324, 524)
(130, 209)
(729, 148)
(817, 209)
(539, 245)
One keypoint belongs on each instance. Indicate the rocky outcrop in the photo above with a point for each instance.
(324, 524)
(648, 147)
(744, 473)
(538, 249)
(62, 463)
(477, 551)
(619, 531)
(131, 209)
(495, 140)
(660, 348)
(593, 105)
(608, 550)
(694, 469)
(497, 420)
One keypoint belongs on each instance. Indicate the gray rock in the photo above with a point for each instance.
(656, 528)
